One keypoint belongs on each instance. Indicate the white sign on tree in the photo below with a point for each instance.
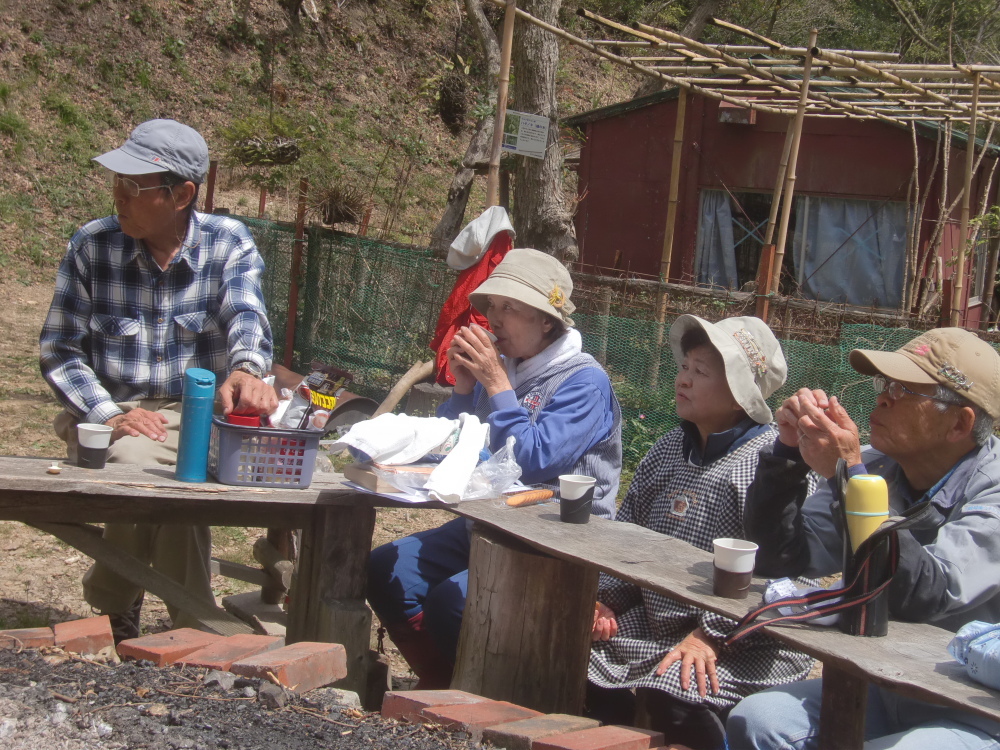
(525, 134)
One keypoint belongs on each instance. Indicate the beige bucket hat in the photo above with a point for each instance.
(531, 277)
(755, 365)
(953, 357)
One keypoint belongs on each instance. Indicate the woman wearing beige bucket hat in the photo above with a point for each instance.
(533, 383)
(692, 485)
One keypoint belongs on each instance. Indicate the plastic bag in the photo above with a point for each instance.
(495, 475)
(976, 646)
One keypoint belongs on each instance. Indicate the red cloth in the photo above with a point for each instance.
(457, 312)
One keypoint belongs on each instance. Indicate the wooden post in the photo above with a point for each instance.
(263, 203)
(675, 180)
(273, 553)
(604, 314)
(958, 302)
(293, 282)
(493, 179)
(661, 327)
(764, 273)
(793, 155)
(505, 189)
(842, 712)
(524, 615)
(333, 569)
(213, 168)
(988, 287)
(772, 218)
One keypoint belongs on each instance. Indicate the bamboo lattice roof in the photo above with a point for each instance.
(769, 76)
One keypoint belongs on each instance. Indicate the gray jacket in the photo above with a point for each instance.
(949, 571)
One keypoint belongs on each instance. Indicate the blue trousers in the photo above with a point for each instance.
(426, 573)
(787, 718)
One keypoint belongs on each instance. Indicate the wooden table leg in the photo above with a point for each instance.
(842, 717)
(327, 601)
(526, 628)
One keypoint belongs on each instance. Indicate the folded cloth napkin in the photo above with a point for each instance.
(448, 481)
(976, 645)
(395, 439)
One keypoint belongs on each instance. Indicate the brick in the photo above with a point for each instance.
(602, 738)
(222, 653)
(476, 717)
(406, 705)
(27, 638)
(518, 735)
(299, 667)
(166, 648)
(86, 636)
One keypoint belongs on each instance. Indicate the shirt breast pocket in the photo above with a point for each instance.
(116, 347)
(114, 326)
(195, 335)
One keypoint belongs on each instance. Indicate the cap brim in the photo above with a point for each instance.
(894, 365)
(503, 287)
(753, 403)
(122, 163)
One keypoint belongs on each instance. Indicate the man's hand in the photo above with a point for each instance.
(827, 435)
(698, 651)
(138, 422)
(787, 417)
(605, 623)
(242, 393)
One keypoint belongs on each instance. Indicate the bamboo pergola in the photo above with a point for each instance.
(799, 82)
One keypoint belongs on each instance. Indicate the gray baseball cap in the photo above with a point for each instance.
(160, 146)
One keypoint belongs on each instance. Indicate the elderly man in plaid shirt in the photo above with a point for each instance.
(141, 297)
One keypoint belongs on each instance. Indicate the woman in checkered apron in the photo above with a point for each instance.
(692, 485)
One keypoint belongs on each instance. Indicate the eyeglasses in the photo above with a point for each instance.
(131, 187)
(896, 390)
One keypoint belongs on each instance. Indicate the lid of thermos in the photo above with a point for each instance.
(199, 383)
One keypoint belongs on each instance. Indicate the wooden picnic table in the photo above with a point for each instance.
(328, 597)
(532, 584)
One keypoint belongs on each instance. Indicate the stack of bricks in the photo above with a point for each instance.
(300, 667)
(513, 727)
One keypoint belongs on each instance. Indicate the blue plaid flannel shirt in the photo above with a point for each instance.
(120, 328)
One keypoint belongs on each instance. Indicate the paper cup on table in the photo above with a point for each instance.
(733, 567)
(576, 496)
(93, 443)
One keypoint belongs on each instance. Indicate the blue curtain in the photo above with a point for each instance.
(715, 256)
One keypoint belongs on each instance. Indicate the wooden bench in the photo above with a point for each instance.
(532, 583)
(328, 597)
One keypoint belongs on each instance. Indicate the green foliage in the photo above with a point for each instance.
(13, 126)
(67, 112)
(5, 92)
(145, 17)
(174, 48)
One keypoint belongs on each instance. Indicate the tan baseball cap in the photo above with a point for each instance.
(755, 365)
(953, 357)
(532, 277)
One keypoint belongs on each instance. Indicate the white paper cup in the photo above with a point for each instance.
(733, 567)
(573, 486)
(93, 435)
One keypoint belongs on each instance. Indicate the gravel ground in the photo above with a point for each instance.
(49, 699)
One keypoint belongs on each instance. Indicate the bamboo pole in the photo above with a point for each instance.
(957, 303)
(779, 181)
(793, 155)
(293, 285)
(675, 180)
(493, 179)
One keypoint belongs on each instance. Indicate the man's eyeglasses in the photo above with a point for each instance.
(131, 187)
(896, 390)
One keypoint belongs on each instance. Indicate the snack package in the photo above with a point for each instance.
(313, 399)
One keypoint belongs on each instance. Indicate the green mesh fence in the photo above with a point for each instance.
(370, 308)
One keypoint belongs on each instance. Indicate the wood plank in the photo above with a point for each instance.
(842, 714)
(88, 540)
(539, 658)
(239, 572)
(912, 660)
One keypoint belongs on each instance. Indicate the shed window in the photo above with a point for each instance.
(851, 251)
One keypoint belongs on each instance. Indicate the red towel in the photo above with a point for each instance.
(457, 311)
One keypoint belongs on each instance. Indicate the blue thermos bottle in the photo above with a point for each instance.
(197, 405)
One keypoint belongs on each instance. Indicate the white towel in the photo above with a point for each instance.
(563, 348)
(470, 244)
(448, 481)
(395, 439)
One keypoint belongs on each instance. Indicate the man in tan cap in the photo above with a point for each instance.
(931, 439)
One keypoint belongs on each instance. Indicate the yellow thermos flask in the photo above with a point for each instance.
(866, 505)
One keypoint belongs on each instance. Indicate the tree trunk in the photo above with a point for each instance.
(478, 152)
(692, 29)
(539, 212)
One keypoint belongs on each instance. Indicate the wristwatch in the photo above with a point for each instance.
(250, 368)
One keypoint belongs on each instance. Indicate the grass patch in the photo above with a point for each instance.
(68, 113)
(13, 126)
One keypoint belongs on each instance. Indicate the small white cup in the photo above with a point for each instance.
(94, 436)
(573, 486)
(734, 555)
